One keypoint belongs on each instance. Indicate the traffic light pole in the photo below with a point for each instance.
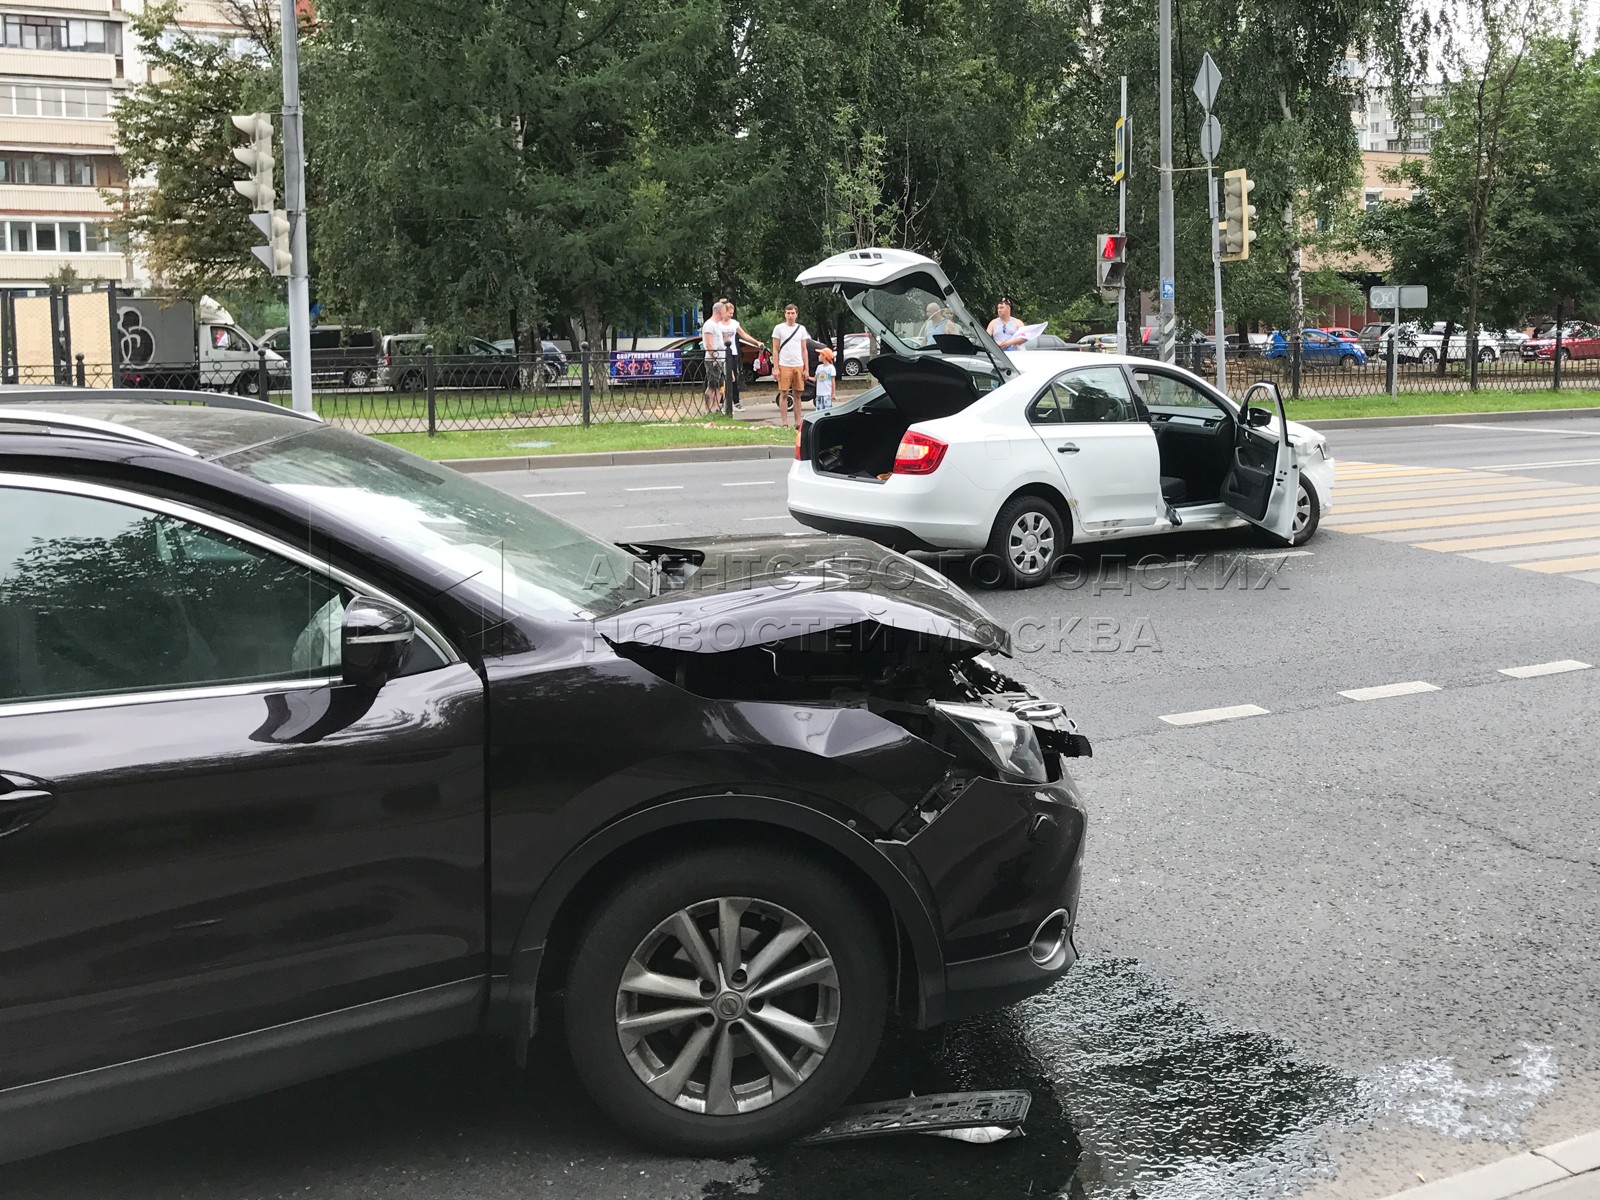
(1216, 282)
(1122, 226)
(1167, 332)
(294, 197)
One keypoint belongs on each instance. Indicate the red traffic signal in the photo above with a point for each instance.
(1113, 247)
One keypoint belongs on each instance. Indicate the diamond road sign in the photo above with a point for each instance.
(1207, 82)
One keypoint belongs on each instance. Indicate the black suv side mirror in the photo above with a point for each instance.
(1257, 418)
(373, 641)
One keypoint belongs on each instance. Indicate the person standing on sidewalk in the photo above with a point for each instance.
(789, 353)
(825, 375)
(713, 336)
(735, 355)
(1005, 329)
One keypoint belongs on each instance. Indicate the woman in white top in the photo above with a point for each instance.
(1005, 329)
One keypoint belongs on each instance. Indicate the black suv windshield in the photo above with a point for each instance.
(530, 560)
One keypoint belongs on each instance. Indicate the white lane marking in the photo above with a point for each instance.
(1385, 691)
(1203, 716)
(666, 487)
(658, 525)
(779, 517)
(1537, 466)
(1549, 668)
(547, 495)
(1514, 427)
(751, 483)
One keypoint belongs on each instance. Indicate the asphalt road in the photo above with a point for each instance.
(1329, 948)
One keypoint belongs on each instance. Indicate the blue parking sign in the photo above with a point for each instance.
(1168, 290)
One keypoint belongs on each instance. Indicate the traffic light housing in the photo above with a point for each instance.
(1235, 234)
(258, 189)
(274, 226)
(1110, 260)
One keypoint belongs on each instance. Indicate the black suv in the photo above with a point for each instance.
(312, 751)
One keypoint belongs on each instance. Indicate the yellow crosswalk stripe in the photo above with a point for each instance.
(1498, 541)
(1463, 503)
(1555, 566)
(1399, 472)
(1472, 518)
(1357, 490)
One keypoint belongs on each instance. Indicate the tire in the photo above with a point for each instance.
(633, 933)
(1486, 355)
(1011, 559)
(1566, 355)
(248, 384)
(853, 367)
(360, 377)
(1307, 515)
(409, 381)
(1347, 361)
(1427, 356)
(747, 374)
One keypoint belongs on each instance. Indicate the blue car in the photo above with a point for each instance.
(1319, 347)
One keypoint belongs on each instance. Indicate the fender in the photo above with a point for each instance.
(519, 996)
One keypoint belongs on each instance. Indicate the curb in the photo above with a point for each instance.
(619, 458)
(1517, 414)
(1567, 1170)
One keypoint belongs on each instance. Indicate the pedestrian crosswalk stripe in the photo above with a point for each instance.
(1497, 540)
(1544, 526)
(1445, 522)
(1561, 566)
(1426, 504)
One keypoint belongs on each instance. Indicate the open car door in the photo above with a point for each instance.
(1264, 479)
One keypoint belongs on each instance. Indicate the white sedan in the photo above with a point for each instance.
(1020, 455)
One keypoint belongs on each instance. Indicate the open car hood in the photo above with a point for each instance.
(869, 280)
(729, 593)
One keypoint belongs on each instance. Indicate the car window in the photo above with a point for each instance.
(1168, 391)
(1047, 407)
(361, 339)
(279, 341)
(104, 597)
(1096, 394)
(325, 339)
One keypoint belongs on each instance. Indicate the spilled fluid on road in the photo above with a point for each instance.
(1137, 1095)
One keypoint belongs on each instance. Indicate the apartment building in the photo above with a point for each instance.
(62, 63)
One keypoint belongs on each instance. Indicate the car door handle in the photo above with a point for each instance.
(23, 801)
(1067, 448)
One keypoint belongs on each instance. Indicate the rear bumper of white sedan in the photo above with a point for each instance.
(903, 512)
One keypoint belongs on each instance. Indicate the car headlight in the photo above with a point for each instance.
(1007, 742)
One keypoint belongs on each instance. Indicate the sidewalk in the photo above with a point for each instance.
(1568, 1170)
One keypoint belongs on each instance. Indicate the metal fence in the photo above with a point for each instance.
(433, 393)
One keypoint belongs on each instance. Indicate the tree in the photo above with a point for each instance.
(181, 212)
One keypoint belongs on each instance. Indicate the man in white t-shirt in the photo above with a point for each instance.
(714, 335)
(789, 357)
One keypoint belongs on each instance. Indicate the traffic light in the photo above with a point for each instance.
(1110, 259)
(258, 189)
(274, 226)
(1234, 229)
(271, 220)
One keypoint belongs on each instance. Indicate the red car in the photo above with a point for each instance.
(1343, 333)
(1577, 341)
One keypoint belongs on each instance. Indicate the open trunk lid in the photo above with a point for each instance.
(891, 291)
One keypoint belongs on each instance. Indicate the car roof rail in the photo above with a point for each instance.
(58, 395)
(89, 427)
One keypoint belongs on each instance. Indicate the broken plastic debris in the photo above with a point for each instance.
(975, 1117)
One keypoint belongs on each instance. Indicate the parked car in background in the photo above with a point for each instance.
(754, 361)
(275, 808)
(1318, 348)
(1100, 343)
(1427, 346)
(1344, 333)
(1579, 339)
(1371, 336)
(857, 350)
(342, 354)
(555, 365)
(476, 363)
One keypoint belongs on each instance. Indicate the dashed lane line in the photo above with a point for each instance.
(548, 495)
(750, 483)
(664, 487)
(1390, 690)
(1205, 716)
(1550, 668)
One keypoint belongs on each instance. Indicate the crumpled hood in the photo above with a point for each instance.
(726, 593)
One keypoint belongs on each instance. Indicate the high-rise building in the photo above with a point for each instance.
(62, 65)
